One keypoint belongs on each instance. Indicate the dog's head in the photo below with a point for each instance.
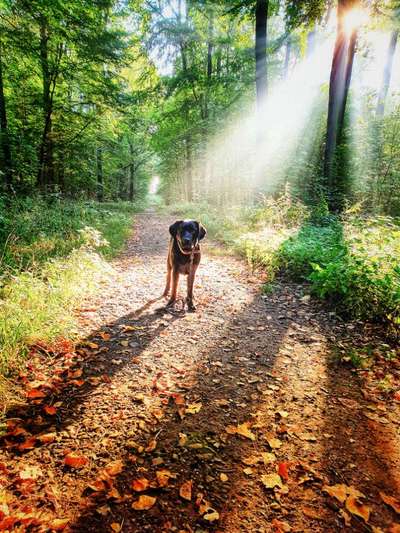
(188, 233)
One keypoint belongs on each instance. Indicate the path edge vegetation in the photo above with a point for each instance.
(348, 260)
(55, 253)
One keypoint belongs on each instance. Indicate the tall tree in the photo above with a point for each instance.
(340, 78)
(5, 139)
(261, 49)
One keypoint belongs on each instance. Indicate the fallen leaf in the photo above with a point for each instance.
(244, 431)
(211, 516)
(193, 408)
(47, 438)
(163, 477)
(28, 444)
(392, 502)
(140, 485)
(152, 445)
(336, 491)
(35, 393)
(50, 409)
(268, 457)
(185, 490)
(283, 471)
(346, 517)
(58, 524)
(75, 460)
(274, 443)
(252, 460)
(394, 528)
(144, 503)
(75, 374)
(223, 477)
(280, 527)
(116, 527)
(105, 336)
(114, 468)
(29, 473)
(271, 480)
(248, 471)
(357, 508)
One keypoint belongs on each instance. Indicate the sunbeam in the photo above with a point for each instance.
(252, 151)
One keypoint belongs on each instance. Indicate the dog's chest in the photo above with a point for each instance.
(184, 268)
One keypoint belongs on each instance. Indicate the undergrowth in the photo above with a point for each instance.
(53, 254)
(351, 260)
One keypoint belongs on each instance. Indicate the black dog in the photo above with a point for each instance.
(183, 257)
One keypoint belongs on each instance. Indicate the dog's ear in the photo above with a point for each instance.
(174, 228)
(202, 231)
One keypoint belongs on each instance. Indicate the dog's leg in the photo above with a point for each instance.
(190, 282)
(168, 282)
(175, 281)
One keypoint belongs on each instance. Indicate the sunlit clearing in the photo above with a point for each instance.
(252, 153)
(154, 184)
(354, 19)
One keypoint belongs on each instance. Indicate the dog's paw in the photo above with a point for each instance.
(191, 307)
(171, 303)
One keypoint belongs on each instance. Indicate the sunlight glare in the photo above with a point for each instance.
(354, 19)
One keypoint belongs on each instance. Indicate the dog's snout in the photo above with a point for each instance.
(186, 240)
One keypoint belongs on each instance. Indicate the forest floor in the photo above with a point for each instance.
(237, 418)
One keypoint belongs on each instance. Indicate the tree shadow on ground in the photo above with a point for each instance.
(228, 380)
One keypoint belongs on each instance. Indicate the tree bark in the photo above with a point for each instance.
(261, 49)
(100, 178)
(341, 71)
(189, 168)
(131, 174)
(46, 164)
(387, 74)
(5, 139)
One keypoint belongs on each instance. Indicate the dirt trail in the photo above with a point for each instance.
(161, 398)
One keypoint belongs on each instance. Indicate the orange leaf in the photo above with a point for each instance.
(163, 477)
(28, 444)
(47, 438)
(114, 468)
(35, 393)
(243, 429)
(280, 527)
(392, 502)
(75, 373)
(105, 336)
(358, 509)
(144, 503)
(139, 485)
(50, 409)
(75, 460)
(77, 382)
(394, 528)
(98, 485)
(283, 471)
(185, 490)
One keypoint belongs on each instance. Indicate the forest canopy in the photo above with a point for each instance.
(223, 101)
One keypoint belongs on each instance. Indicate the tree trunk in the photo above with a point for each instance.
(189, 169)
(100, 181)
(287, 58)
(45, 171)
(131, 175)
(340, 79)
(261, 49)
(387, 74)
(5, 140)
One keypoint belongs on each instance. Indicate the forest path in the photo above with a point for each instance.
(197, 412)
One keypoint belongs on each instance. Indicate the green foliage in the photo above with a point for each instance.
(33, 230)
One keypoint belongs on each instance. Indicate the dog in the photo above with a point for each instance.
(183, 257)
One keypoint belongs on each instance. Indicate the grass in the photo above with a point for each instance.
(351, 261)
(53, 254)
